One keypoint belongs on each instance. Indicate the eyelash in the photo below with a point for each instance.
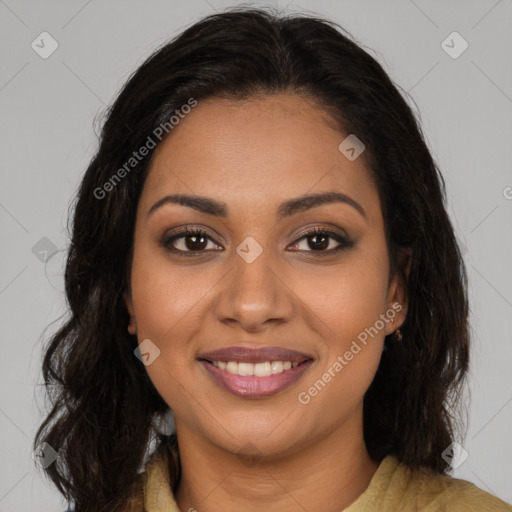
(167, 241)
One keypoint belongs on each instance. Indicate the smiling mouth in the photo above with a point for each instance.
(258, 380)
(259, 369)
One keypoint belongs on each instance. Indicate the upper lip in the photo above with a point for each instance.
(252, 355)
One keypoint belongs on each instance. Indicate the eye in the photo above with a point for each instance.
(320, 241)
(195, 240)
(191, 240)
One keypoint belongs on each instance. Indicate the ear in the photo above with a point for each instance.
(397, 293)
(132, 326)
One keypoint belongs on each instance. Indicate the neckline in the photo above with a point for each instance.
(380, 478)
(158, 496)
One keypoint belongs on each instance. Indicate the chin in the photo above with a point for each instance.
(260, 445)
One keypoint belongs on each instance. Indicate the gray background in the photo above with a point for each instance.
(48, 107)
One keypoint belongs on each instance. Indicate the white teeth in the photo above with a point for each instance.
(232, 367)
(264, 369)
(245, 369)
(277, 367)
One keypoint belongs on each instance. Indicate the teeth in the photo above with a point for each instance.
(246, 369)
(277, 367)
(264, 369)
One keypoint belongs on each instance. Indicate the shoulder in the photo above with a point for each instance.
(152, 490)
(395, 486)
(431, 491)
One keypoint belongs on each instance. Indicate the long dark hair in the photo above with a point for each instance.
(103, 402)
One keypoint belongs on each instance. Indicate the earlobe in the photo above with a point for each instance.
(398, 300)
(132, 329)
(132, 326)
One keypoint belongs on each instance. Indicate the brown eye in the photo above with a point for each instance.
(195, 242)
(189, 240)
(320, 241)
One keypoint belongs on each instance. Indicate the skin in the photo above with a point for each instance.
(253, 155)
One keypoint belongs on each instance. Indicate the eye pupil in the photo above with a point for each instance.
(194, 246)
(319, 245)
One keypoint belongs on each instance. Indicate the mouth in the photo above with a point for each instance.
(250, 373)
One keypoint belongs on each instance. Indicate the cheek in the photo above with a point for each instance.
(347, 301)
(164, 296)
(347, 298)
(166, 309)
(346, 307)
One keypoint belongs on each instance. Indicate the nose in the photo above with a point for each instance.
(254, 295)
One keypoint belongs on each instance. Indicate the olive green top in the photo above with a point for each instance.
(392, 488)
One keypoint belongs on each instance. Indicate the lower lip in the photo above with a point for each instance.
(256, 387)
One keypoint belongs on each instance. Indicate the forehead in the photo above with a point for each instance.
(268, 147)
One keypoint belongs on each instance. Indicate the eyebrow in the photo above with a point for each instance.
(287, 208)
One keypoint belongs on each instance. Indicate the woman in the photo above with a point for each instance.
(260, 246)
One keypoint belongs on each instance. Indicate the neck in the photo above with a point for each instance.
(329, 475)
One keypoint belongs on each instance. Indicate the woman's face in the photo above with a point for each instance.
(256, 281)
